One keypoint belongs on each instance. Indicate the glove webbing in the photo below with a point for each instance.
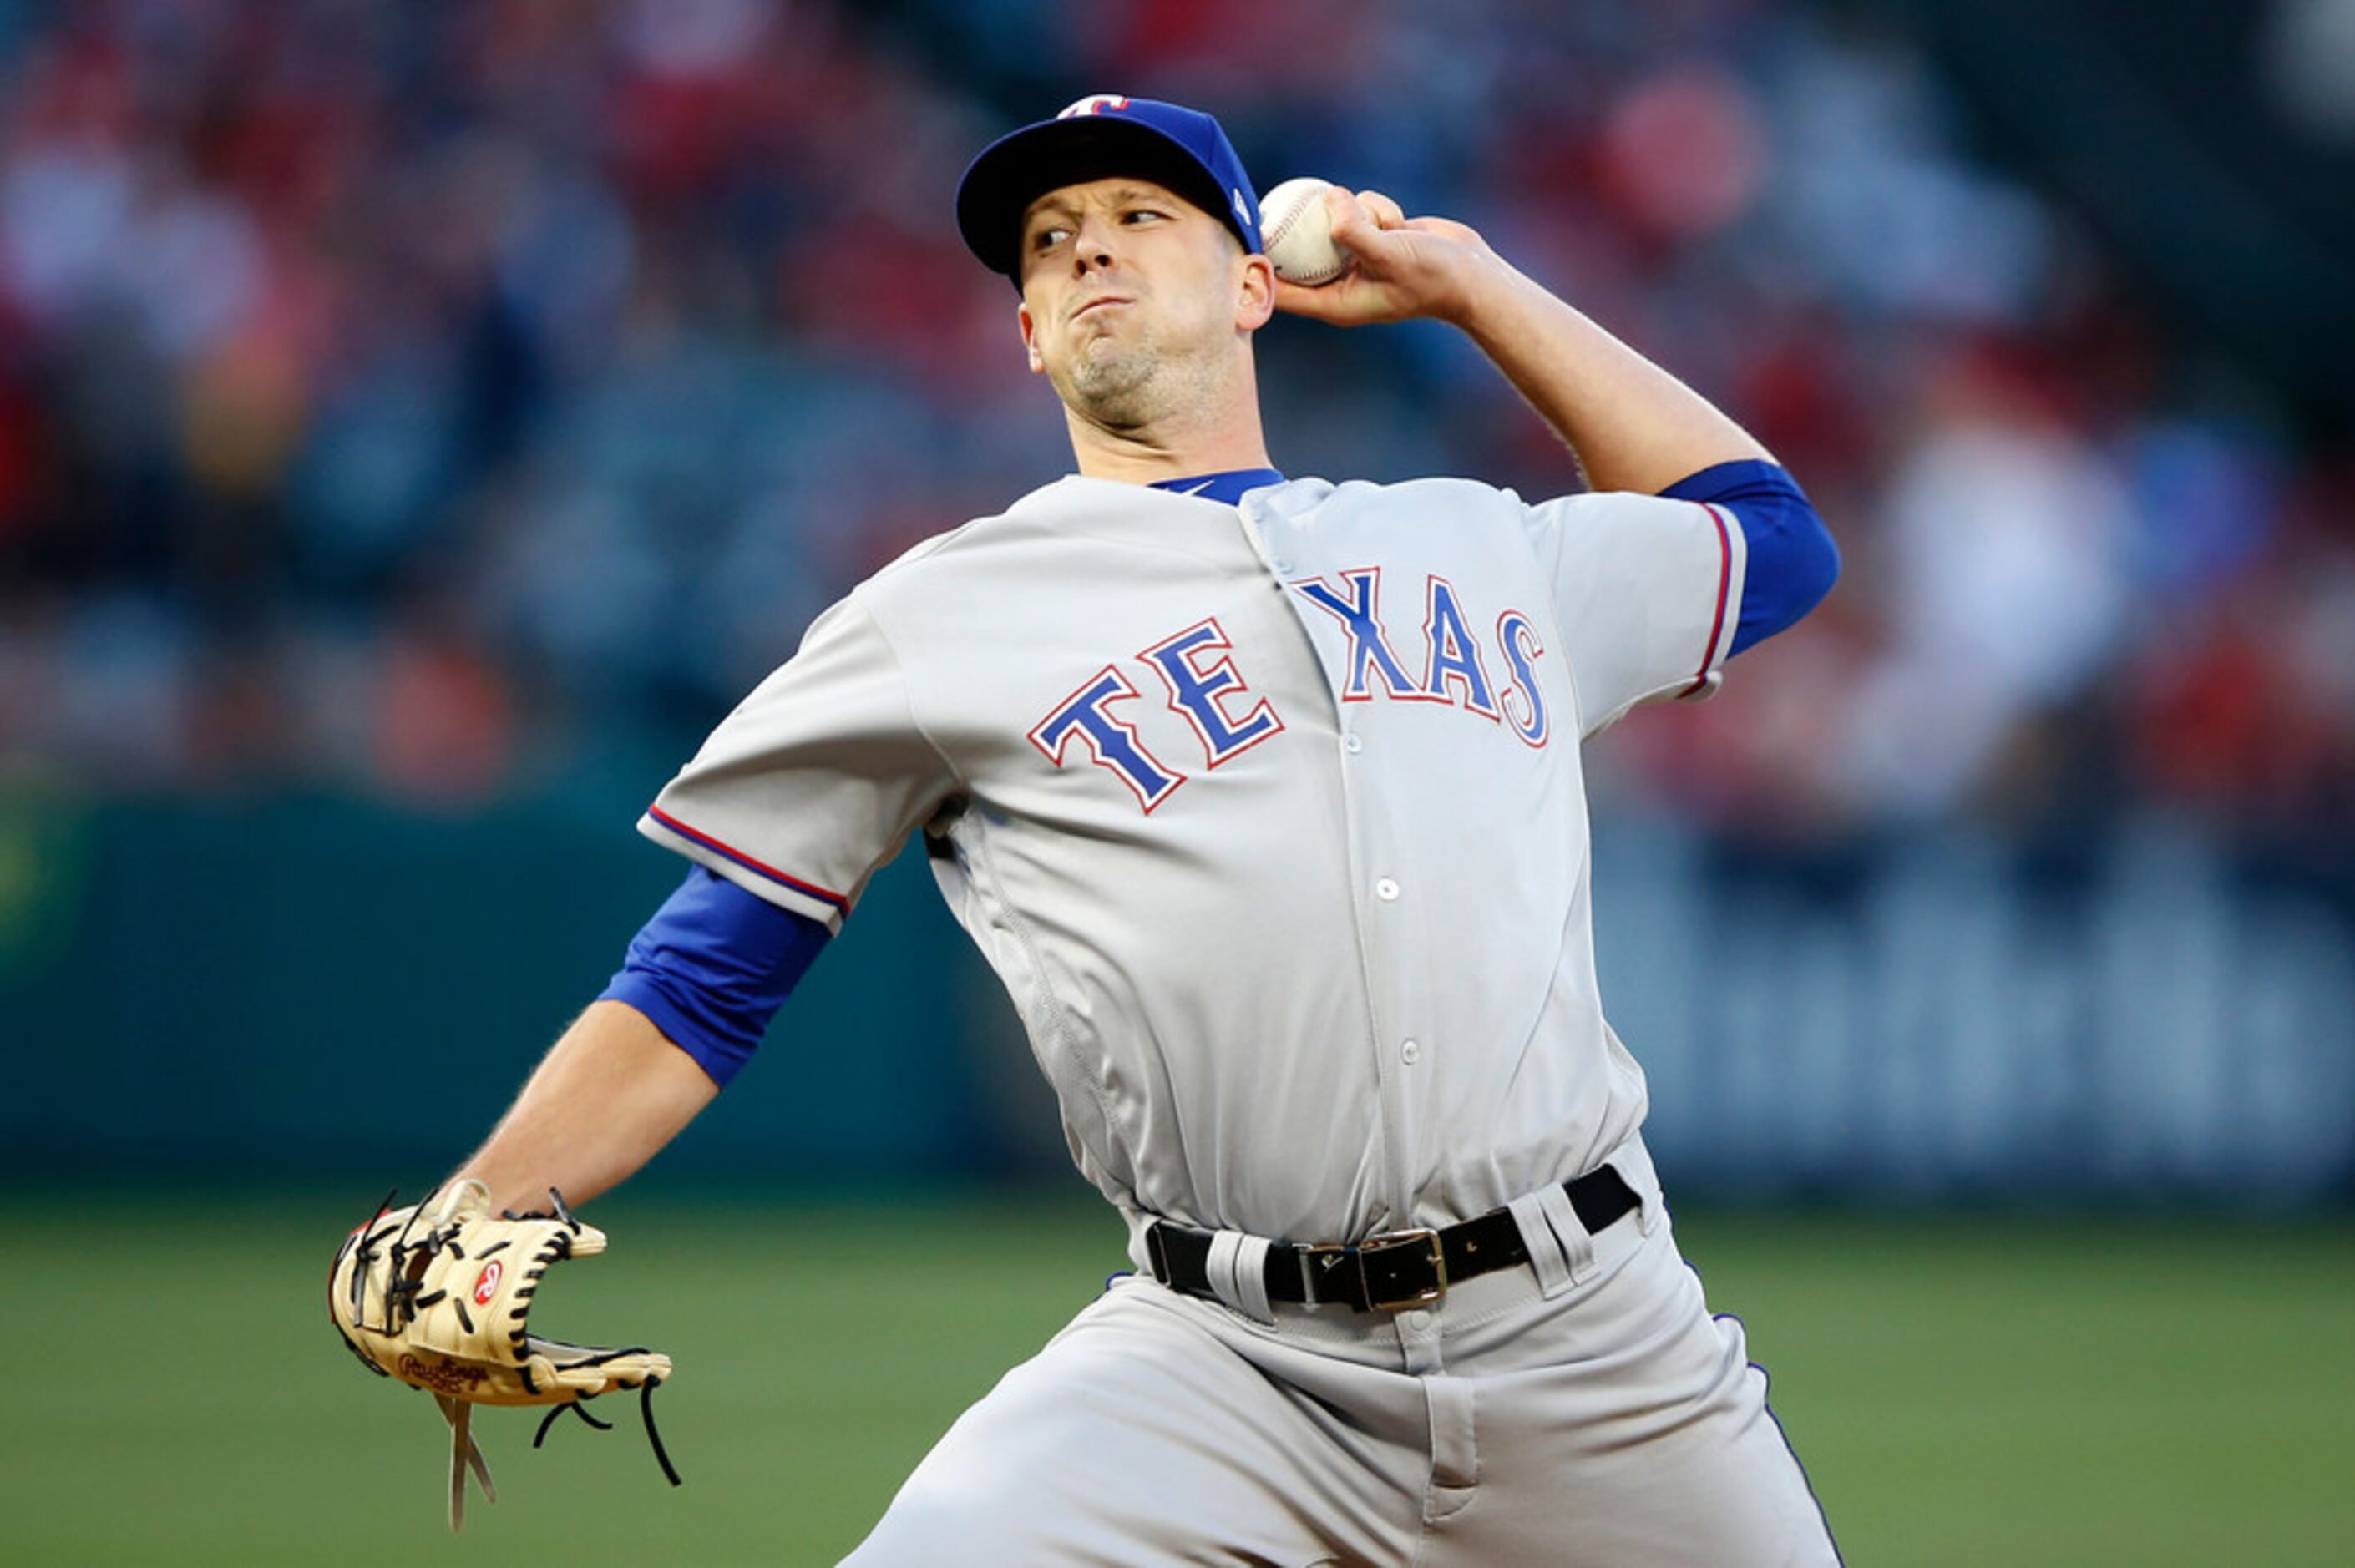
(403, 1303)
(463, 1452)
(645, 1411)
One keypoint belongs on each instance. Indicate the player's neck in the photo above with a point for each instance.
(1223, 435)
(1136, 464)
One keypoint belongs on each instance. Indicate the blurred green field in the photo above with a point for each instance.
(2017, 1392)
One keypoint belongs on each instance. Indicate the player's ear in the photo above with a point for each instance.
(1030, 338)
(1254, 293)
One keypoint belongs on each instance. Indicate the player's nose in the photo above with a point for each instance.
(1092, 246)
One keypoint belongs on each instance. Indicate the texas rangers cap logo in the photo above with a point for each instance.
(1093, 103)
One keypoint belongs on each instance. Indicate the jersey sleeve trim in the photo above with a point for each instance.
(1791, 559)
(840, 904)
(1710, 654)
(713, 966)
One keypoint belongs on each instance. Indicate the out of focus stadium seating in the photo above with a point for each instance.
(454, 409)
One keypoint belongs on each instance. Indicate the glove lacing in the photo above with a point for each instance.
(402, 1302)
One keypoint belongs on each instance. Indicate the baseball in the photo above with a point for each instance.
(1298, 234)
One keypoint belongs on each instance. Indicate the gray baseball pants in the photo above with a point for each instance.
(1587, 1410)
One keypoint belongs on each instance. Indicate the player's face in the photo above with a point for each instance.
(1134, 299)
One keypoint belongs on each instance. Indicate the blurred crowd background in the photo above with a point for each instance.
(438, 406)
(405, 397)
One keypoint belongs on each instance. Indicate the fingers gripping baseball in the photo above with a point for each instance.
(1401, 268)
(1386, 213)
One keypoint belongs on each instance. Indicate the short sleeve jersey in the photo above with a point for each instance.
(1269, 815)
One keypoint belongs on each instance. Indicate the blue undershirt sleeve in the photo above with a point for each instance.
(1792, 561)
(712, 968)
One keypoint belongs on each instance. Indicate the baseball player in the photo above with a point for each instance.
(1263, 796)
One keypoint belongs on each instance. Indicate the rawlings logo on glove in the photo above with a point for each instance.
(418, 1296)
(443, 1378)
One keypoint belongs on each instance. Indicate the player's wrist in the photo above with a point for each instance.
(1489, 298)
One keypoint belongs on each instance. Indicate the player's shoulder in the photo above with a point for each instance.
(1461, 509)
(1073, 503)
(1103, 515)
(963, 547)
(1296, 497)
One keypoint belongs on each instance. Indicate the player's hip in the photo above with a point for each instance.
(1599, 1250)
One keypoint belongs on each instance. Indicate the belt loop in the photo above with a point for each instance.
(1560, 1251)
(1238, 1273)
(1634, 1164)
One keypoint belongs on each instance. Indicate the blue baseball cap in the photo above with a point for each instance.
(1100, 136)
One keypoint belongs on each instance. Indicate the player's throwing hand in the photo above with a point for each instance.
(1402, 268)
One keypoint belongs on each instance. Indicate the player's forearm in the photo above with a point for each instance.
(610, 1093)
(1632, 425)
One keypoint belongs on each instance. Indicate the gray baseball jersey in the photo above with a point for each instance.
(1269, 815)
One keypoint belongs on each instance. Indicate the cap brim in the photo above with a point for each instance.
(1017, 169)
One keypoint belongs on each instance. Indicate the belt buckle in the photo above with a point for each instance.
(1392, 1241)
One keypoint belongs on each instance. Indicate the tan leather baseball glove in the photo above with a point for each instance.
(439, 1296)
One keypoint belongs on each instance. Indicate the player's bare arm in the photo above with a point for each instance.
(609, 1093)
(1631, 425)
(607, 1096)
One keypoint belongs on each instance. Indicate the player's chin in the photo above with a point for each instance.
(1114, 390)
(1106, 356)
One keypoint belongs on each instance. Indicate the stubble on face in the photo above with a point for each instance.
(1136, 365)
(1111, 380)
(1155, 358)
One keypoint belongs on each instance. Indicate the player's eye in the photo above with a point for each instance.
(1142, 215)
(1049, 237)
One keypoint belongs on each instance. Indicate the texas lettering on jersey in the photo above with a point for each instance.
(1196, 668)
(1453, 669)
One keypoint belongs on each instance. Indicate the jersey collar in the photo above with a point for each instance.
(1225, 488)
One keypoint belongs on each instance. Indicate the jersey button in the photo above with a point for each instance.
(1409, 1053)
(1386, 890)
(1350, 743)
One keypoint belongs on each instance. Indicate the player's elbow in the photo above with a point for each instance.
(1815, 564)
(1793, 563)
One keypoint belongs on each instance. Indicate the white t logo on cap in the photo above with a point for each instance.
(1094, 103)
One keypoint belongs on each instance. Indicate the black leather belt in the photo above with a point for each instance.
(1398, 1268)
